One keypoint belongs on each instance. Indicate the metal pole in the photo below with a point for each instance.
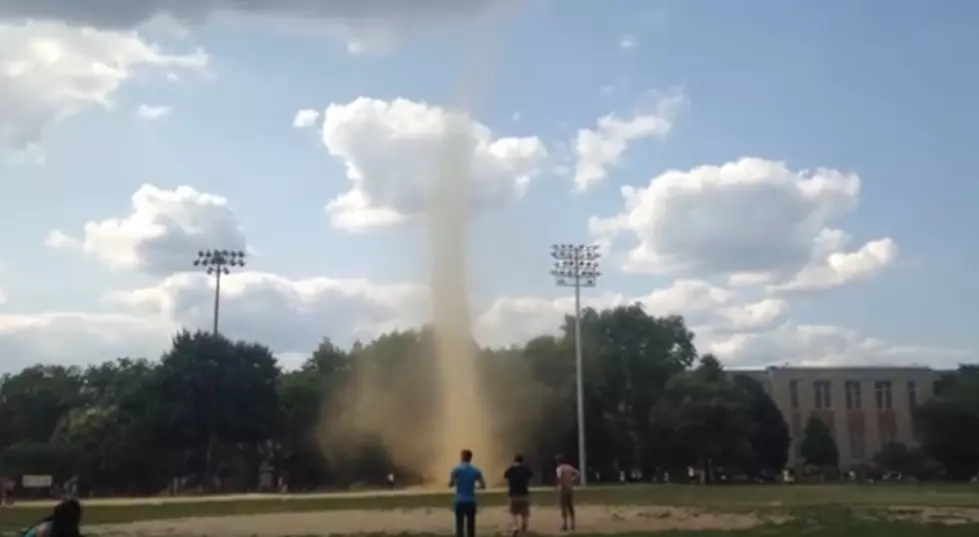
(219, 263)
(579, 380)
(217, 300)
(576, 265)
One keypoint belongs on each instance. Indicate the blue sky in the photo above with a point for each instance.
(880, 90)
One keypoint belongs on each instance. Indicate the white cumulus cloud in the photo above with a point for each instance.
(305, 119)
(291, 315)
(602, 147)
(826, 345)
(52, 70)
(162, 233)
(394, 153)
(752, 220)
(514, 319)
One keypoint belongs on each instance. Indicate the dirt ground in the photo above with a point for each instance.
(934, 515)
(490, 520)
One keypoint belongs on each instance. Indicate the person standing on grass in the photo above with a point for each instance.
(465, 478)
(518, 479)
(566, 477)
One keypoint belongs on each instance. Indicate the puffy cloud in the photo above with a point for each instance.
(740, 330)
(830, 266)
(824, 345)
(305, 119)
(704, 306)
(364, 25)
(602, 147)
(77, 338)
(292, 315)
(289, 315)
(146, 111)
(50, 70)
(627, 42)
(753, 220)
(162, 233)
(394, 153)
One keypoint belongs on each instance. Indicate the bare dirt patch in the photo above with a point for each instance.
(934, 515)
(491, 520)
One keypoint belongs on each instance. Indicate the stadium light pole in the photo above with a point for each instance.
(576, 265)
(215, 263)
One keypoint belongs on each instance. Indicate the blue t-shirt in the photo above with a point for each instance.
(465, 477)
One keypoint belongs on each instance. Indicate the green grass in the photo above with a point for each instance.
(816, 507)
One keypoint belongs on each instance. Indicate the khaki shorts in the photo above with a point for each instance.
(520, 506)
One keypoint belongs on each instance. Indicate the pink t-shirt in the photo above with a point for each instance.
(566, 474)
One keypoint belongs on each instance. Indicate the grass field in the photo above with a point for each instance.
(868, 510)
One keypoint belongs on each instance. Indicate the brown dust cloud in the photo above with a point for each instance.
(427, 406)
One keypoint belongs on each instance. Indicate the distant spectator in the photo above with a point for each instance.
(6, 491)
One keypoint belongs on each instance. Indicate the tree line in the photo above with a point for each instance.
(215, 412)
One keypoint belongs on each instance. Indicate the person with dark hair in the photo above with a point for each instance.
(466, 478)
(64, 521)
(518, 479)
(566, 477)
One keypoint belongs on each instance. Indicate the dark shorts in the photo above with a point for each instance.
(566, 501)
(520, 505)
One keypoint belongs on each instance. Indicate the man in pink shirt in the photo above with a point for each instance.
(566, 477)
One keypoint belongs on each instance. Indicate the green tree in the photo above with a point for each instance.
(897, 457)
(705, 419)
(768, 436)
(949, 423)
(221, 396)
(818, 447)
(630, 356)
(298, 455)
(34, 400)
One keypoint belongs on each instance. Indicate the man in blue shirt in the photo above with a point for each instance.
(465, 478)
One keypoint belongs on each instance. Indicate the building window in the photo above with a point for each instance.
(822, 394)
(912, 395)
(854, 398)
(794, 393)
(882, 390)
(858, 449)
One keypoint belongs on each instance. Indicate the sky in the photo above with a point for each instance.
(798, 179)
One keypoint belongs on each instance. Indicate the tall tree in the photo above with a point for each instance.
(221, 395)
(818, 447)
(949, 423)
(768, 433)
(630, 357)
(298, 455)
(705, 419)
